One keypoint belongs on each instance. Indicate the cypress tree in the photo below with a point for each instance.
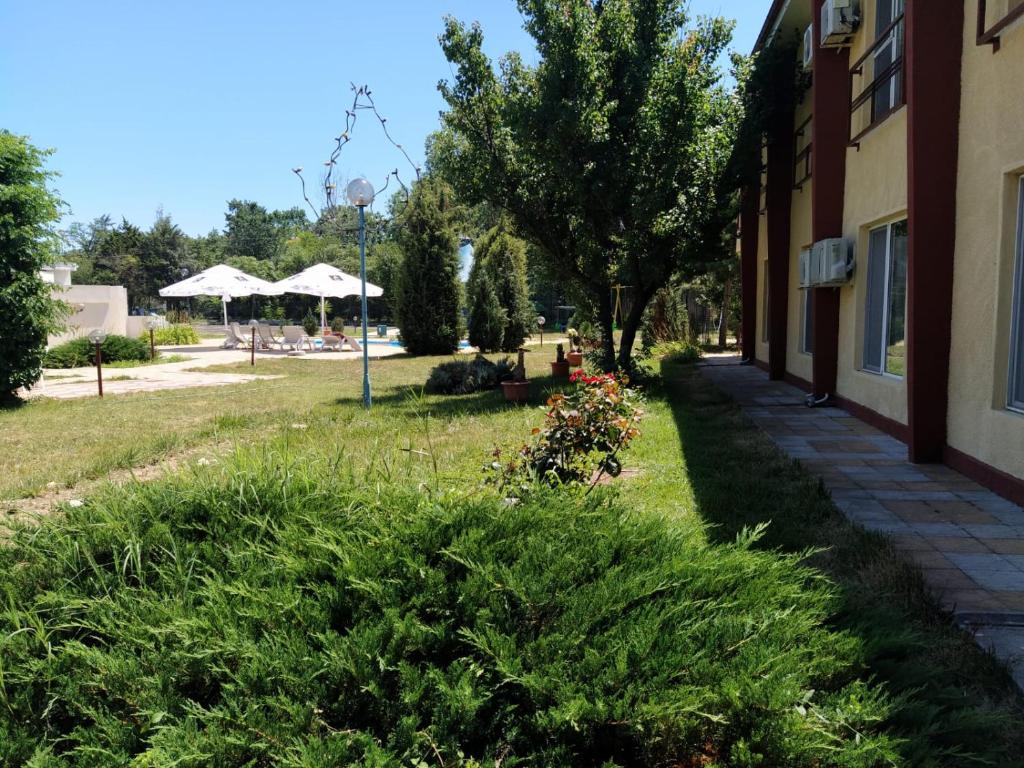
(503, 257)
(427, 295)
(486, 317)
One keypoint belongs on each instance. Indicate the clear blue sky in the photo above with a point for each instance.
(186, 104)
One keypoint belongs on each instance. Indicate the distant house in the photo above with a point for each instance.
(883, 244)
(92, 306)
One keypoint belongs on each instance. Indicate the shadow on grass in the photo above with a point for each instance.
(949, 694)
(414, 399)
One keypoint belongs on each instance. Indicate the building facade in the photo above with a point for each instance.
(907, 146)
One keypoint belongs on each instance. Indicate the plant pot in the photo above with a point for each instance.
(516, 391)
(575, 359)
(560, 369)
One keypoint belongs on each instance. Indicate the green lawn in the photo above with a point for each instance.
(885, 678)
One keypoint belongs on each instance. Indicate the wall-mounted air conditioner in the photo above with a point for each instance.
(831, 262)
(808, 53)
(839, 21)
(806, 277)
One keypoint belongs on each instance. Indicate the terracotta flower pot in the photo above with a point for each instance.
(516, 391)
(575, 359)
(560, 369)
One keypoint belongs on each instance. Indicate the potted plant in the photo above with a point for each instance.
(310, 324)
(560, 366)
(575, 356)
(518, 388)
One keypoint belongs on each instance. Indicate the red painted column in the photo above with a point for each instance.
(934, 50)
(779, 196)
(830, 133)
(750, 222)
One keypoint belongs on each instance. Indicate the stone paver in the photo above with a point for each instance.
(968, 542)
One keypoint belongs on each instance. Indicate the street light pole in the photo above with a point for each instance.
(97, 337)
(360, 194)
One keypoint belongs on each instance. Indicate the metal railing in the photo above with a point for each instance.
(990, 35)
(885, 91)
(803, 161)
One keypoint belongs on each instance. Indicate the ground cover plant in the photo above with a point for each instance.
(282, 612)
(81, 352)
(463, 377)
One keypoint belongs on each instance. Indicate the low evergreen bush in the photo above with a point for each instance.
(276, 612)
(461, 377)
(178, 334)
(81, 352)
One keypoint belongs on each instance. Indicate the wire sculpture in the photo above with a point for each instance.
(362, 101)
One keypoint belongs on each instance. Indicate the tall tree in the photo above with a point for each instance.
(607, 152)
(486, 316)
(163, 251)
(503, 258)
(251, 231)
(427, 299)
(28, 311)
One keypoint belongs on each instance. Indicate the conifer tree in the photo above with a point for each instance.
(427, 296)
(486, 316)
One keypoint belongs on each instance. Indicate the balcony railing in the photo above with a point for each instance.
(990, 35)
(881, 76)
(802, 163)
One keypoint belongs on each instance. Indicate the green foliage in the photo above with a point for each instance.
(486, 316)
(608, 153)
(81, 352)
(461, 377)
(338, 325)
(275, 612)
(583, 433)
(28, 311)
(311, 323)
(677, 351)
(178, 334)
(666, 319)
(427, 295)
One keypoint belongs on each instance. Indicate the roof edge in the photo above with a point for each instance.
(771, 23)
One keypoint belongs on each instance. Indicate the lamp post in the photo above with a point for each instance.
(540, 324)
(97, 337)
(360, 194)
(151, 325)
(252, 346)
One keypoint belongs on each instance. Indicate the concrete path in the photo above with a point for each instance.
(968, 541)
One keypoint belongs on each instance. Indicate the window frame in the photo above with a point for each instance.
(1015, 389)
(885, 305)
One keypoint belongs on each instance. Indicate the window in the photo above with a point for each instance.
(886, 309)
(807, 322)
(1016, 383)
(888, 54)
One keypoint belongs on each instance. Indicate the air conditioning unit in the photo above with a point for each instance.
(839, 21)
(831, 262)
(809, 47)
(806, 279)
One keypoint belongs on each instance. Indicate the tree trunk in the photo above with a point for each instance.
(630, 325)
(723, 323)
(607, 325)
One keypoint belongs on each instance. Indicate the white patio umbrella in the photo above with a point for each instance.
(223, 281)
(327, 282)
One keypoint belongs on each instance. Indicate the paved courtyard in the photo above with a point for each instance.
(968, 541)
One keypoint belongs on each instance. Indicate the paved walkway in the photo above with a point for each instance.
(968, 541)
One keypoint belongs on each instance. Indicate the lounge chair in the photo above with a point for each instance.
(294, 337)
(336, 341)
(267, 337)
(242, 338)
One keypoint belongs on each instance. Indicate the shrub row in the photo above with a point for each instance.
(176, 335)
(81, 352)
(461, 377)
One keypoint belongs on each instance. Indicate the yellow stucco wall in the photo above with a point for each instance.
(876, 192)
(991, 160)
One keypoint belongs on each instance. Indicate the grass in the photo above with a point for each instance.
(224, 566)
(161, 359)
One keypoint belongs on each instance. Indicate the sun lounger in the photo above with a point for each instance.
(294, 337)
(242, 339)
(337, 341)
(267, 338)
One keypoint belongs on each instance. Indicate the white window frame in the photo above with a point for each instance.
(1015, 389)
(886, 296)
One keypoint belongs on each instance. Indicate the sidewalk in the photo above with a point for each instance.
(968, 541)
